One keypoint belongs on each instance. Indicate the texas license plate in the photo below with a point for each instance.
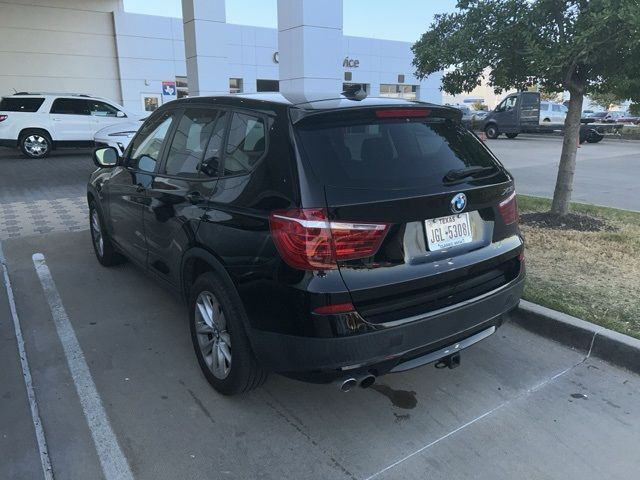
(447, 232)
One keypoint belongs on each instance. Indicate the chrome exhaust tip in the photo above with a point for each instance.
(367, 381)
(347, 384)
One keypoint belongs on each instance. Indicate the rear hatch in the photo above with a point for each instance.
(11, 108)
(443, 205)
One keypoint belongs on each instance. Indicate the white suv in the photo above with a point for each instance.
(552, 113)
(39, 123)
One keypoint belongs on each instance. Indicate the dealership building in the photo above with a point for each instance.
(142, 61)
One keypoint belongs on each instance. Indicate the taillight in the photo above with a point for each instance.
(509, 209)
(403, 112)
(3, 117)
(306, 239)
(334, 309)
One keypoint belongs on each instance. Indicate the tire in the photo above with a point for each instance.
(491, 131)
(35, 143)
(511, 135)
(547, 120)
(216, 319)
(594, 137)
(102, 244)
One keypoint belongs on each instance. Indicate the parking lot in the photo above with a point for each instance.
(519, 406)
(606, 172)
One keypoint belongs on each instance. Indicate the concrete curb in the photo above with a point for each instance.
(590, 339)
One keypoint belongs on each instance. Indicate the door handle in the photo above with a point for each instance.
(193, 197)
(140, 188)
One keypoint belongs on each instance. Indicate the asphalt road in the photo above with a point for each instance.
(607, 173)
(63, 174)
(519, 406)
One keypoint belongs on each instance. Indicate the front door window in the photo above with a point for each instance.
(147, 146)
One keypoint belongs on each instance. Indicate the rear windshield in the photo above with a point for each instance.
(20, 104)
(391, 153)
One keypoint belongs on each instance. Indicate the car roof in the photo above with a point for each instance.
(306, 101)
(83, 96)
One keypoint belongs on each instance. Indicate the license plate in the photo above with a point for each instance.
(447, 232)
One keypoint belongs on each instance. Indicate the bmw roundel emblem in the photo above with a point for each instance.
(458, 203)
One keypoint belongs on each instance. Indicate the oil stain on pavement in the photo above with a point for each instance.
(405, 399)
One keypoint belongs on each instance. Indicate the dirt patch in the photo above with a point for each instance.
(572, 221)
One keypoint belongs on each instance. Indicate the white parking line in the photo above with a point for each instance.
(45, 462)
(525, 393)
(113, 461)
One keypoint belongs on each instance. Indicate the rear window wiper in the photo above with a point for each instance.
(461, 173)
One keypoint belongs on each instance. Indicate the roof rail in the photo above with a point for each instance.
(68, 94)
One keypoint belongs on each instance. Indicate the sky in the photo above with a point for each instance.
(403, 20)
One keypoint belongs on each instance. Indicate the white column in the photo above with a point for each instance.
(310, 46)
(205, 44)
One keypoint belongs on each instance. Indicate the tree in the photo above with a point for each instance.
(550, 96)
(605, 99)
(579, 46)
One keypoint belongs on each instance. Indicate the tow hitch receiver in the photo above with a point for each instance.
(450, 361)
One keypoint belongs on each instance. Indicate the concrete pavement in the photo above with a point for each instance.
(520, 406)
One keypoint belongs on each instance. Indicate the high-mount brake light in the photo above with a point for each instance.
(509, 209)
(308, 240)
(403, 112)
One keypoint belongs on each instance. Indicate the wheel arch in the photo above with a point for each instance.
(197, 261)
(27, 130)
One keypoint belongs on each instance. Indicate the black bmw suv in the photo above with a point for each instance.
(328, 239)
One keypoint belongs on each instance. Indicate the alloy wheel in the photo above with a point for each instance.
(213, 337)
(96, 232)
(36, 145)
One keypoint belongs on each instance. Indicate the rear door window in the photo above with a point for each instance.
(70, 106)
(211, 162)
(245, 144)
(391, 153)
(29, 105)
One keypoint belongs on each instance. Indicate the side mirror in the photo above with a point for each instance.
(120, 114)
(105, 157)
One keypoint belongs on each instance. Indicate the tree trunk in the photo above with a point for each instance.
(567, 167)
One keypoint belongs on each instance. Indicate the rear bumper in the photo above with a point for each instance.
(5, 142)
(391, 346)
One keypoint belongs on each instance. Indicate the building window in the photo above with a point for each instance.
(182, 87)
(267, 85)
(150, 101)
(410, 92)
(235, 85)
